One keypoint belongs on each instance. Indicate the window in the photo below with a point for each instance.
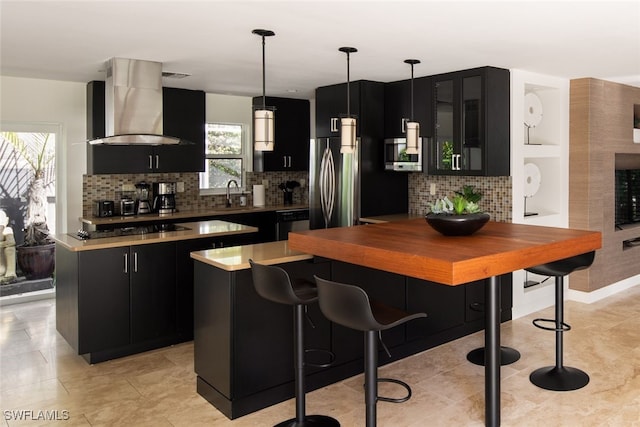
(226, 157)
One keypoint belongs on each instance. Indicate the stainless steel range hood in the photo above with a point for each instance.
(133, 104)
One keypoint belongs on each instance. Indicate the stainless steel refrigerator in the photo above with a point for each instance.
(345, 187)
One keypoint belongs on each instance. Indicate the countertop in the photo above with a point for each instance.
(387, 218)
(194, 230)
(182, 214)
(237, 257)
(412, 248)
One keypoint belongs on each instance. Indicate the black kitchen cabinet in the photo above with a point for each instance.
(470, 123)
(366, 104)
(152, 290)
(474, 299)
(103, 299)
(183, 117)
(243, 343)
(292, 133)
(397, 107)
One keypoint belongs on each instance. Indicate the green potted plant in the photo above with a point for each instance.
(459, 216)
(36, 255)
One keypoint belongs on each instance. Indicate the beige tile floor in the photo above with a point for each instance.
(40, 372)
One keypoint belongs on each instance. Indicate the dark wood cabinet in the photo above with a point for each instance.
(183, 117)
(470, 123)
(152, 291)
(397, 107)
(292, 132)
(102, 306)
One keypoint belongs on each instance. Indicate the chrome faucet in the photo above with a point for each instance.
(229, 192)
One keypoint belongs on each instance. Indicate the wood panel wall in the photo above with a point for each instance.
(601, 125)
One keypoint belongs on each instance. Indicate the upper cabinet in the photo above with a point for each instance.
(366, 99)
(470, 123)
(292, 132)
(397, 107)
(183, 117)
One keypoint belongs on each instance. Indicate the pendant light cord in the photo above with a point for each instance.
(264, 77)
(348, 89)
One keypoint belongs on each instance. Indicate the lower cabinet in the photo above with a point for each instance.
(243, 343)
(126, 296)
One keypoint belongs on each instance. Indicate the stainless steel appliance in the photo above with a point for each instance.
(127, 207)
(345, 187)
(291, 220)
(143, 206)
(397, 159)
(164, 200)
(103, 208)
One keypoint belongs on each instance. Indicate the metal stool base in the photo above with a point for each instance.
(508, 355)
(311, 421)
(559, 379)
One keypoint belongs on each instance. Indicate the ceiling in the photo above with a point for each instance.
(212, 40)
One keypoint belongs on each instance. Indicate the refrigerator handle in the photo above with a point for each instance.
(327, 185)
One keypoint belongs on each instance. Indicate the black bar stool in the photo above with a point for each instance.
(560, 377)
(349, 306)
(273, 283)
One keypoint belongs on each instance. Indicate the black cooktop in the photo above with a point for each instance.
(128, 231)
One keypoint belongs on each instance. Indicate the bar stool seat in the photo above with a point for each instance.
(349, 306)
(560, 377)
(274, 284)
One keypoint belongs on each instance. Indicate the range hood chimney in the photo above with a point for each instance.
(133, 104)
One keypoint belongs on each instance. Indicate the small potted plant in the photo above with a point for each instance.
(459, 216)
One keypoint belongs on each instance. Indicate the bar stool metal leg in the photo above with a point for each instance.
(559, 377)
(371, 377)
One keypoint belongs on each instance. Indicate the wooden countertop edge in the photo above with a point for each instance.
(236, 258)
(436, 266)
(194, 232)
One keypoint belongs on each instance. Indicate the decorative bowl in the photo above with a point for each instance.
(457, 225)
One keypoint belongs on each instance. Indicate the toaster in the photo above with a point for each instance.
(103, 208)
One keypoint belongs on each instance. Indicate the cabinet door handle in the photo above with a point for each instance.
(126, 262)
(284, 161)
(135, 262)
(150, 161)
(289, 160)
(157, 161)
(455, 162)
(334, 124)
(403, 125)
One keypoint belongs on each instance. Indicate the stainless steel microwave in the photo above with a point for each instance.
(397, 159)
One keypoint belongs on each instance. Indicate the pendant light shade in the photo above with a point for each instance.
(263, 117)
(413, 127)
(348, 123)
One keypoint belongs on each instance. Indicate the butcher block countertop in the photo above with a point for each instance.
(237, 257)
(191, 230)
(412, 248)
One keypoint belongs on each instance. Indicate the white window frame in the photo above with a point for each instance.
(247, 158)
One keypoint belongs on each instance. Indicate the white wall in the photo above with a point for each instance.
(56, 103)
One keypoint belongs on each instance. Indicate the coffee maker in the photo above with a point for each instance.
(164, 197)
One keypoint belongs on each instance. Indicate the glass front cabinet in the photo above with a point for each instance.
(471, 123)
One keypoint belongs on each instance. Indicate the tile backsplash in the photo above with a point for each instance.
(109, 187)
(496, 190)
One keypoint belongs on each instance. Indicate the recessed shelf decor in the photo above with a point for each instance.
(532, 113)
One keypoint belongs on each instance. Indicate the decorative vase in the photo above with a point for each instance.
(37, 262)
(457, 225)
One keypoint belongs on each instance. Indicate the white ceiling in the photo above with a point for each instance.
(212, 40)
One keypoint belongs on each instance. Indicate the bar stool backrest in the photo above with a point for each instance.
(273, 283)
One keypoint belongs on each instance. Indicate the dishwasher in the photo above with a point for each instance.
(291, 220)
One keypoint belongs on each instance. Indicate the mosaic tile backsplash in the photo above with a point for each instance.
(109, 187)
(496, 190)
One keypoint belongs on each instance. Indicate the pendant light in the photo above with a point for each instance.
(263, 117)
(413, 127)
(348, 123)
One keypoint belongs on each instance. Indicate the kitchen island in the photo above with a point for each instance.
(414, 249)
(243, 343)
(122, 295)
